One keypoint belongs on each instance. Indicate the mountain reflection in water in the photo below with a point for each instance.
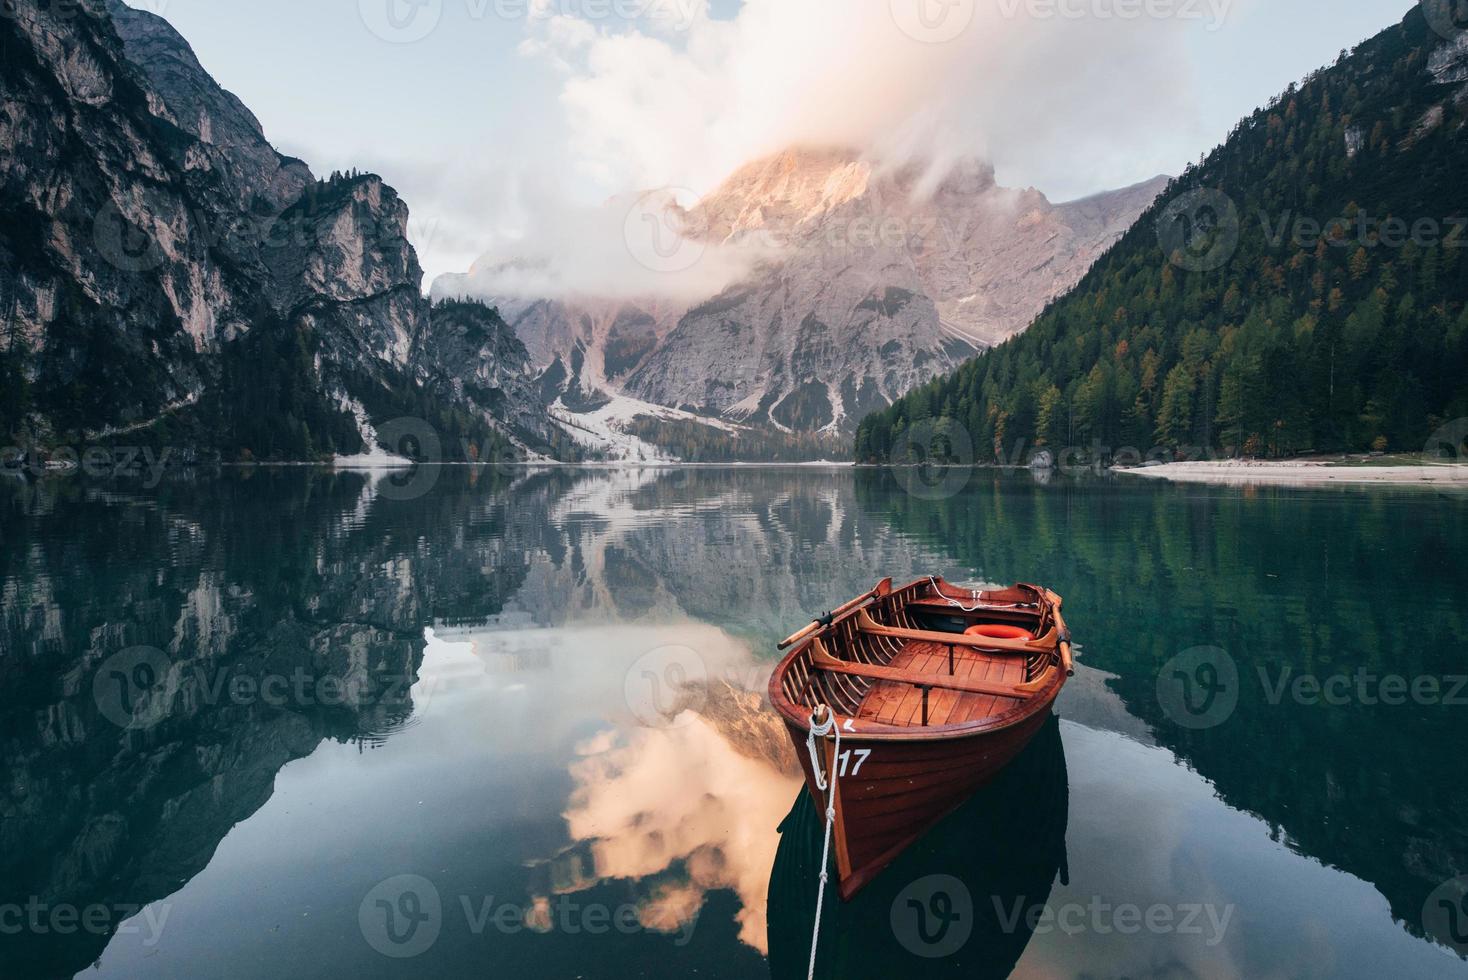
(542, 691)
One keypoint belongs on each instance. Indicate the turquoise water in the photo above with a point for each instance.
(269, 723)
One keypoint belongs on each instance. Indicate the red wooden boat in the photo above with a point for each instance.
(933, 689)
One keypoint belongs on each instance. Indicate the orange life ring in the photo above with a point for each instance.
(998, 631)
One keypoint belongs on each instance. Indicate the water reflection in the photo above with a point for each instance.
(683, 812)
(545, 688)
(956, 904)
(1289, 583)
(674, 791)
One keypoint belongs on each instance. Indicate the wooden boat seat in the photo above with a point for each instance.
(944, 606)
(866, 624)
(903, 675)
(980, 686)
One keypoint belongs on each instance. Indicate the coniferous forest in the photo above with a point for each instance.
(1301, 289)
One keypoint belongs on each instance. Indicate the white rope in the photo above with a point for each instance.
(821, 731)
(977, 594)
(978, 599)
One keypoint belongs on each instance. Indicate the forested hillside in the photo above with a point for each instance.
(1301, 288)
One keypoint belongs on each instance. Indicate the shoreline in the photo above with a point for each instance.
(1306, 473)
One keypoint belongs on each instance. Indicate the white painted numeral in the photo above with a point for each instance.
(845, 760)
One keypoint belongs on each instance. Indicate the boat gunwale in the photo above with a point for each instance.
(798, 716)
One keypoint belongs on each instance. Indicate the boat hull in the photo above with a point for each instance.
(888, 799)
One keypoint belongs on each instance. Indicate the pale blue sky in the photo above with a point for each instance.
(486, 117)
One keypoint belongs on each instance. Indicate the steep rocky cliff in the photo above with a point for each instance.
(166, 274)
(475, 360)
(228, 133)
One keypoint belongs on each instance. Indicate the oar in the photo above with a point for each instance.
(883, 587)
(1067, 661)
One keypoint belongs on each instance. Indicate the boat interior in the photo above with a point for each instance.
(929, 655)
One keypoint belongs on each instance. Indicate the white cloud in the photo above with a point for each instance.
(679, 100)
(631, 247)
(1055, 87)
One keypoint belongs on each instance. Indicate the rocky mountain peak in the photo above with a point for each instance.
(782, 191)
(229, 134)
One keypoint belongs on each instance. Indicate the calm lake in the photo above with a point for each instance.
(269, 723)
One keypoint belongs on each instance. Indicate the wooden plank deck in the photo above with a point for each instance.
(892, 703)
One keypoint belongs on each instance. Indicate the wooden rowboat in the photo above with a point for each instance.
(934, 690)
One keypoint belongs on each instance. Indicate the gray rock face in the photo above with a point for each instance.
(878, 284)
(107, 283)
(154, 246)
(341, 254)
(473, 358)
(802, 349)
(228, 133)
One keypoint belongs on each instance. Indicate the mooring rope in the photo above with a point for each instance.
(821, 730)
(977, 594)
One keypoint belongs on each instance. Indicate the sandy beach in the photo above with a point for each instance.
(1304, 472)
